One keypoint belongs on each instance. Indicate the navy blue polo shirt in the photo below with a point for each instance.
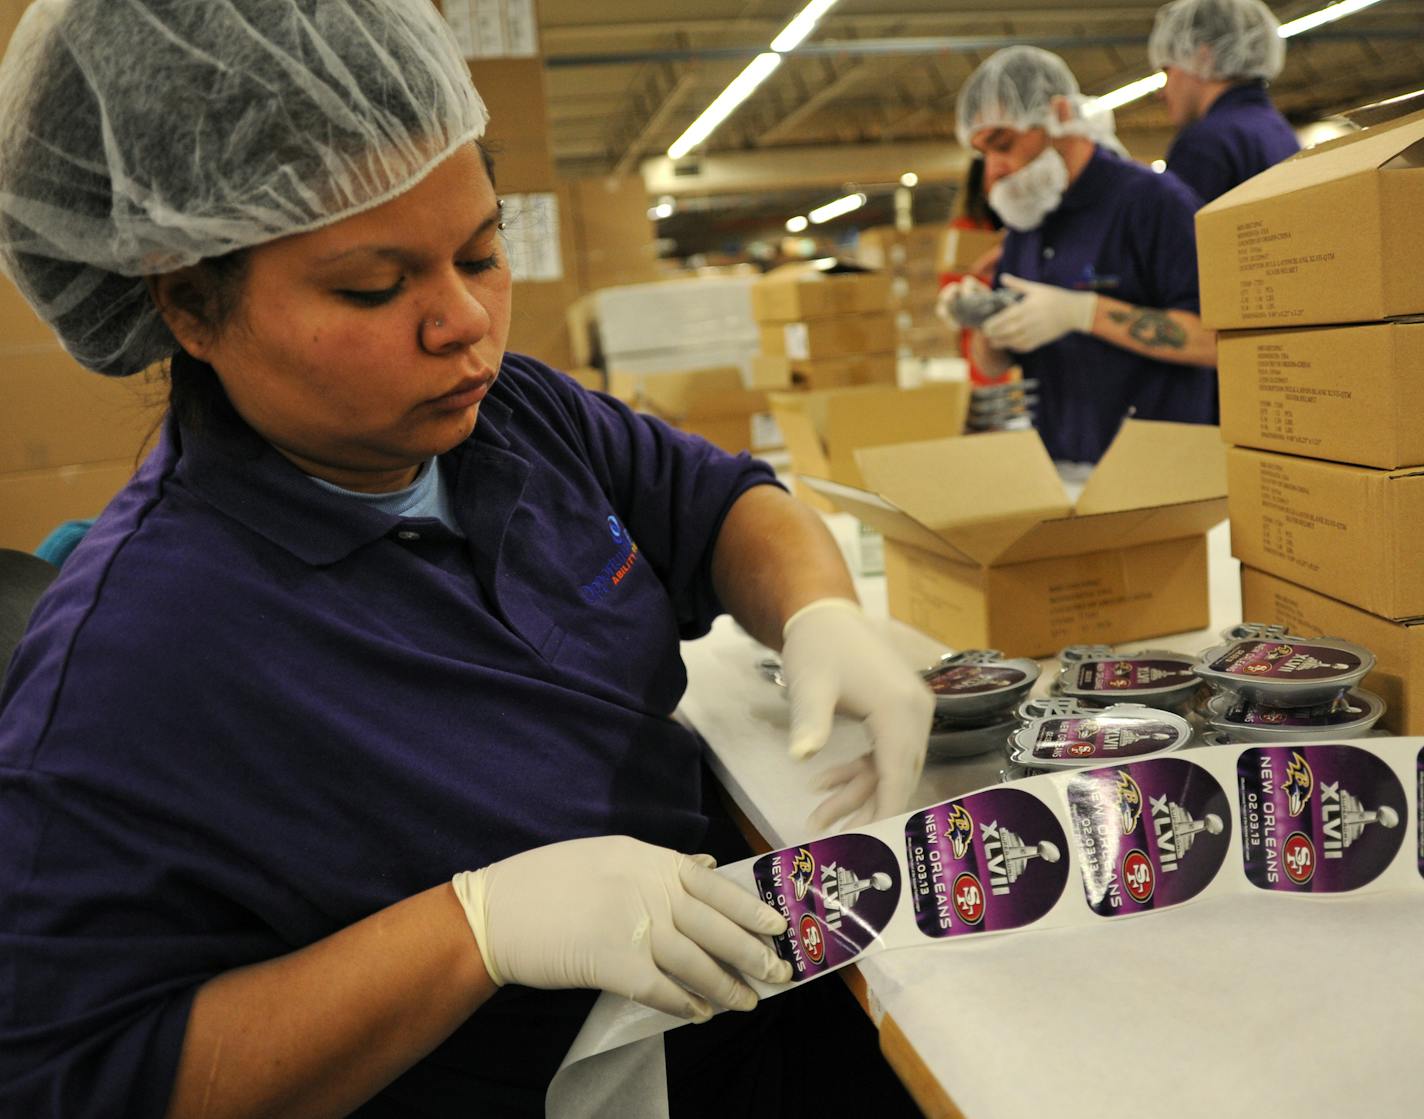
(1124, 231)
(250, 712)
(1239, 136)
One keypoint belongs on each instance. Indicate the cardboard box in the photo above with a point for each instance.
(1347, 393)
(983, 545)
(57, 413)
(538, 321)
(1331, 235)
(19, 325)
(823, 430)
(591, 378)
(814, 339)
(963, 248)
(713, 404)
(1351, 532)
(916, 251)
(613, 236)
(1034, 609)
(34, 503)
(514, 91)
(799, 292)
(1398, 676)
(771, 372)
(675, 314)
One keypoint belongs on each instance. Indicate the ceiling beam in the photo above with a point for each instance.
(669, 105)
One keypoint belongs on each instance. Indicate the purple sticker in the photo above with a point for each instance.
(836, 894)
(1317, 819)
(1344, 709)
(1287, 660)
(1133, 674)
(1105, 736)
(1149, 834)
(973, 679)
(989, 861)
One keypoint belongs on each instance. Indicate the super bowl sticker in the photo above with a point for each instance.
(973, 679)
(836, 894)
(990, 861)
(1107, 737)
(1148, 834)
(1317, 819)
(1132, 675)
(1286, 660)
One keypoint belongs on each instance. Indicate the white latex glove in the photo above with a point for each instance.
(944, 305)
(832, 656)
(1045, 314)
(626, 917)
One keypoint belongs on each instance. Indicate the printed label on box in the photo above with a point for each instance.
(986, 862)
(1317, 819)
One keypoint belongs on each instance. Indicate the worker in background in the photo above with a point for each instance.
(1101, 253)
(337, 767)
(973, 213)
(1218, 56)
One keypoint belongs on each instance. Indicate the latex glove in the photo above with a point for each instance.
(615, 914)
(832, 656)
(1045, 314)
(944, 305)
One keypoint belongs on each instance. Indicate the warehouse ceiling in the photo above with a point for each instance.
(871, 92)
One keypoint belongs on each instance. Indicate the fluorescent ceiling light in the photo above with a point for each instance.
(797, 224)
(841, 206)
(801, 25)
(909, 179)
(1153, 82)
(1128, 93)
(660, 211)
(743, 85)
(1325, 15)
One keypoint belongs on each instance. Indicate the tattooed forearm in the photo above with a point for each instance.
(1151, 328)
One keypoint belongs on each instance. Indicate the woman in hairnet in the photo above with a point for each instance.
(338, 759)
(1100, 253)
(1218, 56)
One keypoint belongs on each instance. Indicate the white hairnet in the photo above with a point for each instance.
(1018, 88)
(1217, 40)
(141, 136)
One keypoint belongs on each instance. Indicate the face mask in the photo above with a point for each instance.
(1031, 193)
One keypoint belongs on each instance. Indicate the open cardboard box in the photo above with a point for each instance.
(824, 429)
(983, 548)
(1331, 235)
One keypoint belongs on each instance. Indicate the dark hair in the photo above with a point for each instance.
(195, 394)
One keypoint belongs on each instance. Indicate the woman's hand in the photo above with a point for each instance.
(614, 914)
(831, 657)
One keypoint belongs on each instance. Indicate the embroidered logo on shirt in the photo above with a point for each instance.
(617, 567)
(1091, 281)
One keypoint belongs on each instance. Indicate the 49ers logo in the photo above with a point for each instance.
(1080, 749)
(813, 942)
(969, 898)
(1298, 857)
(1138, 877)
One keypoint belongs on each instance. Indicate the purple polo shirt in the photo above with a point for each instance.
(250, 712)
(1239, 136)
(1124, 231)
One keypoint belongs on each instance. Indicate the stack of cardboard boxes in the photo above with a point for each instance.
(822, 330)
(914, 259)
(1311, 272)
(69, 439)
